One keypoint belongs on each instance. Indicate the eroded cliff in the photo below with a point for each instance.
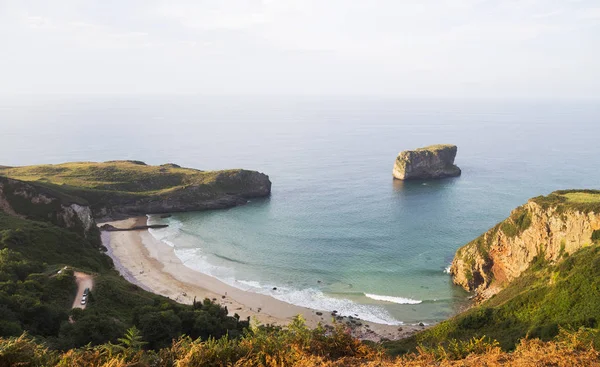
(545, 229)
(32, 201)
(436, 161)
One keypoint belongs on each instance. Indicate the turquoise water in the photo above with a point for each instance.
(337, 227)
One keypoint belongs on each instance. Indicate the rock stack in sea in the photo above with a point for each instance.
(432, 162)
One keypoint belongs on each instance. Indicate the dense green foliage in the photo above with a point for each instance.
(596, 236)
(518, 222)
(38, 241)
(31, 299)
(538, 303)
(36, 299)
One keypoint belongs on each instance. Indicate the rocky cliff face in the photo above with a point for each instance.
(543, 230)
(228, 190)
(39, 203)
(436, 161)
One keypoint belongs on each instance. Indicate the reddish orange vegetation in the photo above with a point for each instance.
(299, 346)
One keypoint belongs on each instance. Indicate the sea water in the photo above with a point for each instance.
(337, 233)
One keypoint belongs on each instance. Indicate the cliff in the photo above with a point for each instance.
(436, 161)
(544, 230)
(118, 189)
(26, 200)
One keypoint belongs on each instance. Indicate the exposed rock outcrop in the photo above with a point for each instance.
(436, 161)
(228, 190)
(35, 202)
(544, 230)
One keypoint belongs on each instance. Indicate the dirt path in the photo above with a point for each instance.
(83, 281)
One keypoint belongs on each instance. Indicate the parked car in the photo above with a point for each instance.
(83, 301)
(86, 291)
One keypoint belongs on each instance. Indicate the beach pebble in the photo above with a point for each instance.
(421, 324)
(319, 313)
(223, 297)
(274, 288)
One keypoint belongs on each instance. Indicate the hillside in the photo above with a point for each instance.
(539, 302)
(546, 228)
(533, 273)
(46, 227)
(298, 346)
(119, 189)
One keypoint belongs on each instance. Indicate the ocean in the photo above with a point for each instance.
(337, 233)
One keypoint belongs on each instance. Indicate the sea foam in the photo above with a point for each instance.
(398, 300)
(195, 259)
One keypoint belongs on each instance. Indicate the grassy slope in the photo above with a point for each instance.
(127, 177)
(581, 200)
(536, 304)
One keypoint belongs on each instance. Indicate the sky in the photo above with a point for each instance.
(396, 48)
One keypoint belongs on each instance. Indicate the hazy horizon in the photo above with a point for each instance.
(412, 49)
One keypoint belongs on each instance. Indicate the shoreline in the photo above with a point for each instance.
(153, 266)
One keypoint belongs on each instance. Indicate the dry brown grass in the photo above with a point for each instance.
(301, 347)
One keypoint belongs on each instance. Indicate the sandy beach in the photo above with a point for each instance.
(153, 266)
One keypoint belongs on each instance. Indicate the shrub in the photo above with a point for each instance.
(596, 235)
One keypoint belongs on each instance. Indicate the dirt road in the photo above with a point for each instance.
(83, 281)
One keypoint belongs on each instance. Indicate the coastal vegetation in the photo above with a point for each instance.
(537, 304)
(545, 229)
(124, 188)
(125, 177)
(581, 200)
(297, 345)
(42, 242)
